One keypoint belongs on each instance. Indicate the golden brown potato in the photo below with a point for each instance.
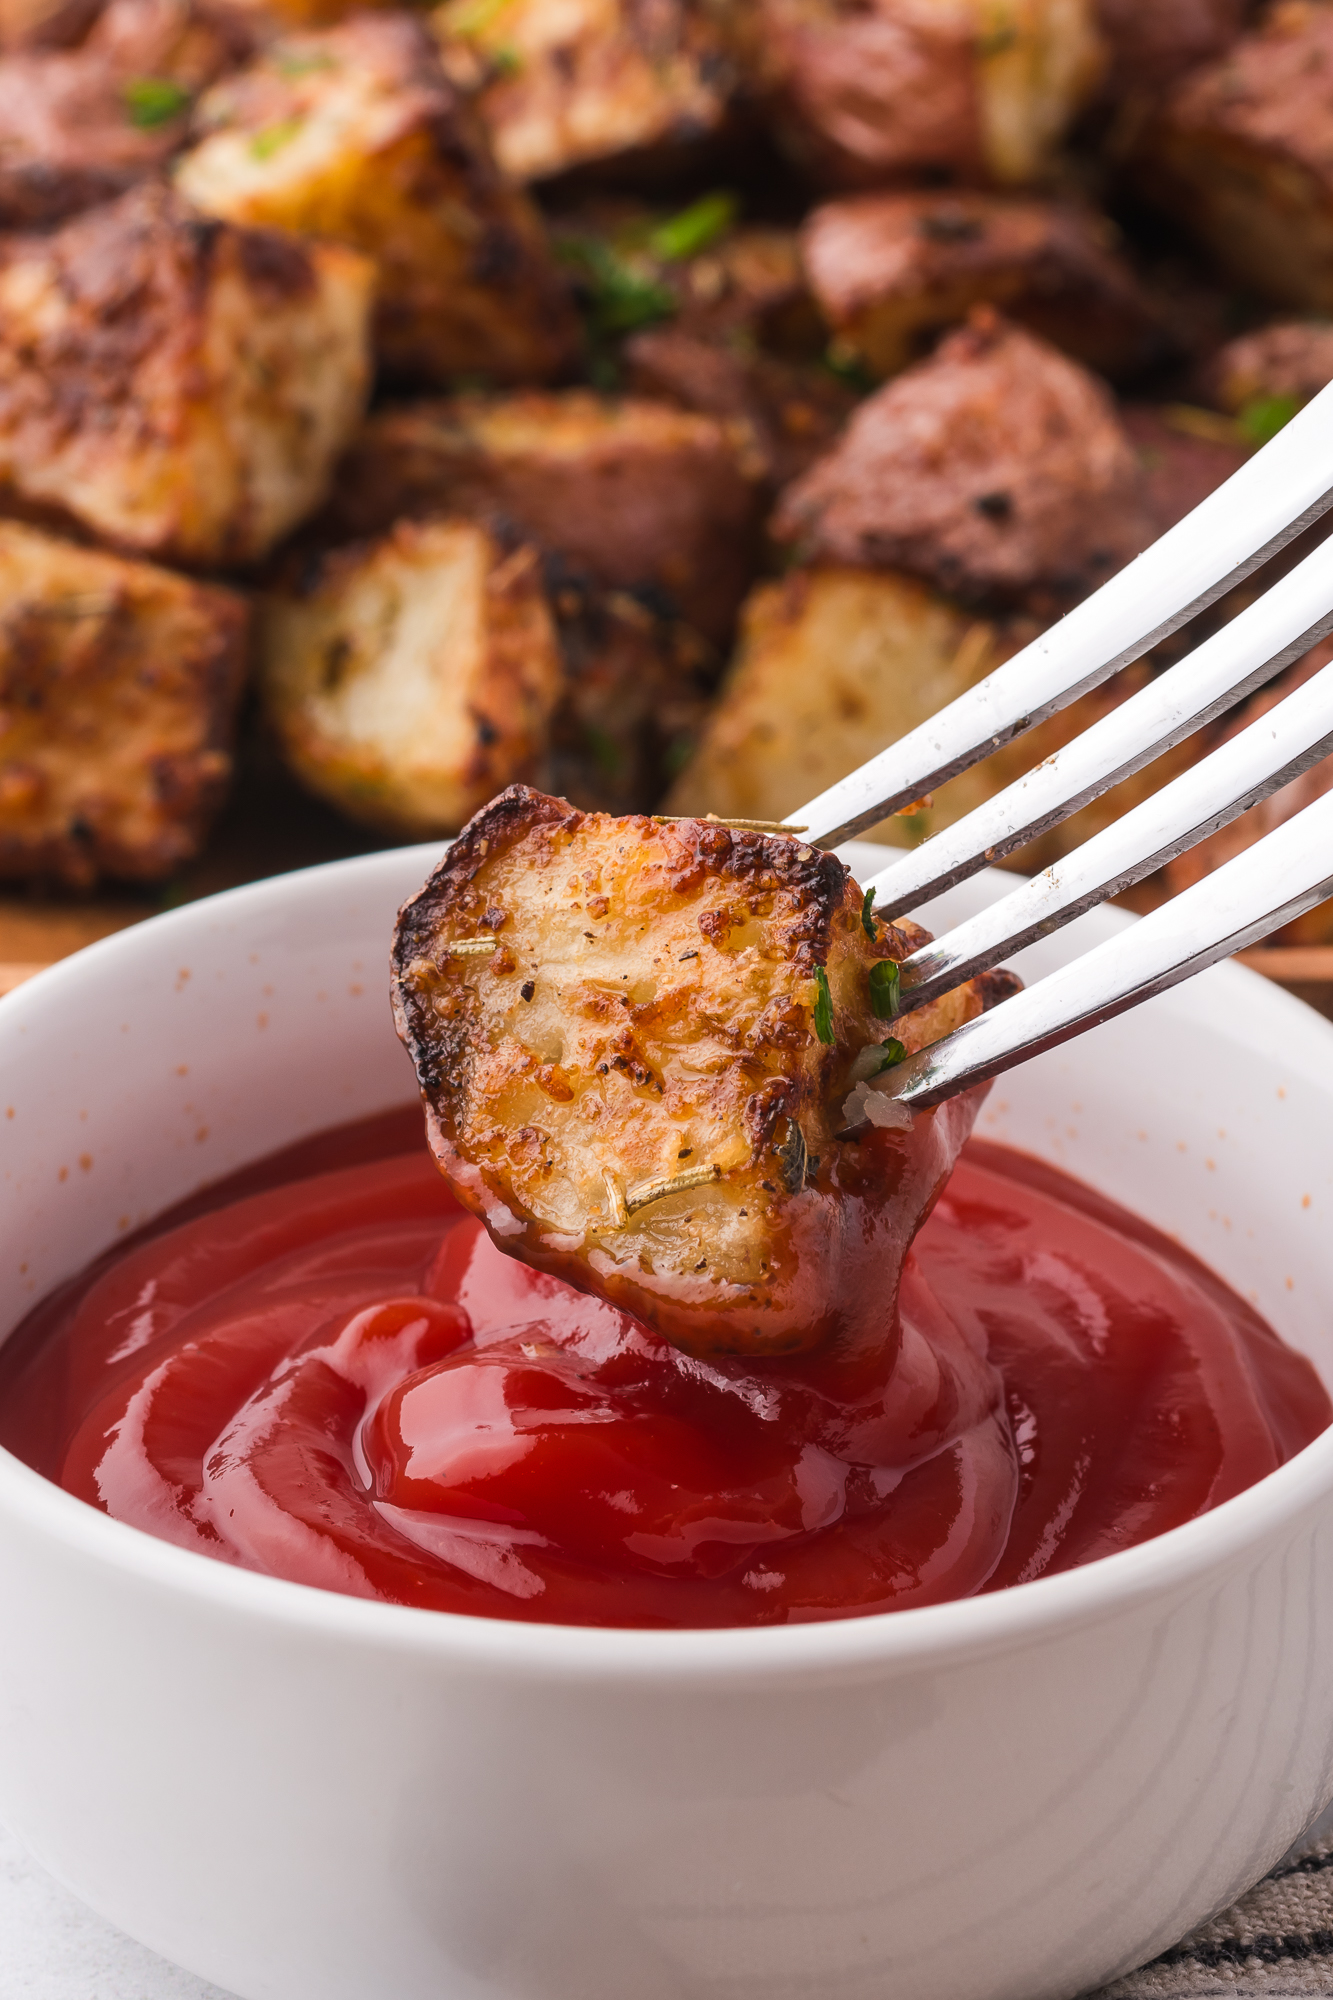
(118, 687)
(355, 133)
(1281, 365)
(562, 85)
(1242, 153)
(179, 386)
(639, 496)
(411, 678)
(996, 469)
(648, 1053)
(79, 126)
(836, 664)
(971, 89)
(890, 271)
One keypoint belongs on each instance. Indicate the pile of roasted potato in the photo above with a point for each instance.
(664, 402)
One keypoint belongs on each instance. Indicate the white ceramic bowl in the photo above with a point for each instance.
(310, 1797)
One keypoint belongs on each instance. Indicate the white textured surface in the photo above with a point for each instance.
(53, 1947)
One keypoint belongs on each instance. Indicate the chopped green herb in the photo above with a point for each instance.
(892, 1053)
(506, 61)
(301, 62)
(274, 137)
(848, 366)
(703, 223)
(884, 989)
(867, 915)
(1264, 416)
(620, 297)
(823, 1006)
(153, 100)
(471, 20)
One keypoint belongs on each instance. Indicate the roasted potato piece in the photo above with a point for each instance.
(45, 24)
(891, 270)
(410, 679)
(79, 126)
(996, 469)
(587, 80)
(832, 665)
(1182, 459)
(1152, 44)
(1240, 152)
(1266, 376)
(788, 414)
(639, 496)
(179, 386)
(971, 89)
(355, 133)
(836, 664)
(647, 1053)
(118, 687)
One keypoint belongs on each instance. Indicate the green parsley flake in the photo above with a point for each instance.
(1264, 416)
(823, 1006)
(696, 228)
(620, 296)
(274, 137)
(884, 989)
(151, 101)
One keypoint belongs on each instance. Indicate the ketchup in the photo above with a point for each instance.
(323, 1369)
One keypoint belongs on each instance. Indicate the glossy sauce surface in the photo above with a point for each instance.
(335, 1377)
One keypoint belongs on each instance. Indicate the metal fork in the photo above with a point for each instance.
(1263, 507)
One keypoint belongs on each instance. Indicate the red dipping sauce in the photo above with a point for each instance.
(333, 1376)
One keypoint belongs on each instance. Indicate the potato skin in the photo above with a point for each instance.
(410, 678)
(589, 81)
(890, 271)
(1290, 361)
(178, 386)
(649, 1004)
(118, 689)
(1242, 153)
(636, 495)
(903, 89)
(996, 469)
(69, 132)
(1152, 45)
(355, 133)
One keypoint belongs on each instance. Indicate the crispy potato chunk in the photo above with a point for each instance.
(787, 414)
(1285, 364)
(79, 126)
(588, 80)
(836, 664)
(179, 386)
(639, 496)
(972, 89)
(118, 687)
(1241, 153)
(996, 469)
(891, 270)
(1152, 44)
(644, 1050)
(411, 678)
(355, 133)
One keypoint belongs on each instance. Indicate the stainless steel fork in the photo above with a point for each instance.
(1264, 506)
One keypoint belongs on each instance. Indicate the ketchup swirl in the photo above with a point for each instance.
(337, 1378)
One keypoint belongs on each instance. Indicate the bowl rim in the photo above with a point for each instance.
(1195, 1554)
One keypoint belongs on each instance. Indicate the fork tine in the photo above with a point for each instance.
(1212, 793)
(1262, 639)
(1232, 908)
(1258, 511)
